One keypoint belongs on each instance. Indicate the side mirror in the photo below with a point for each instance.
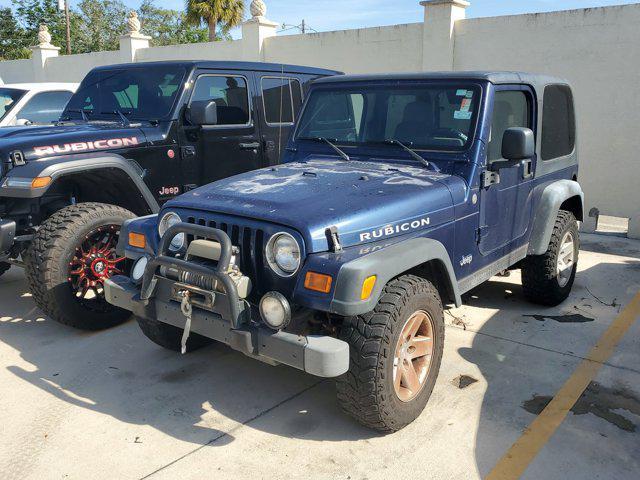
(22, 122)
(518, 144)
(203, 112)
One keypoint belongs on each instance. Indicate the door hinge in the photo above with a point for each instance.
(188, 151)
(490, 178)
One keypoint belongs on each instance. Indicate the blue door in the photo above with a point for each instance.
(505, 199)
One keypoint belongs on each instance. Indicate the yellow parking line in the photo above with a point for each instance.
(535, 437)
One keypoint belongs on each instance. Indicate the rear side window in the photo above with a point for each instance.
(230, 94)
(510, 109)
(558, 122)
(45, 107)
(282, 99)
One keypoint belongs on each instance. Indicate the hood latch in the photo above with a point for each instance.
(334, 239)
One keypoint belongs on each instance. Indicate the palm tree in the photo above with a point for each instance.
(229, 13)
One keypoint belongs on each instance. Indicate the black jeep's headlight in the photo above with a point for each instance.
(283, 254)
(166, 222)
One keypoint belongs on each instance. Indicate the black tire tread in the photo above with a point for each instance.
(539, 283)
(49, 243)
(370, 336)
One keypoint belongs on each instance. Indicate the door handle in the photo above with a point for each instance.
(250, 146)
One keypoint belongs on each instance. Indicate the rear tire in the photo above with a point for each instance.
(170, 337)
(52, 259)
(4, 268)
(371, 391)
(541, 281)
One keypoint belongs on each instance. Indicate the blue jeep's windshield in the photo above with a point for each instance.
(423, 116)
(138, 93)
(8, 99)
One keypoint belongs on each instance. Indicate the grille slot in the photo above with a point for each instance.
(250, 242)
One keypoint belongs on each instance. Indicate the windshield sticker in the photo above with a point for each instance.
(462, 93)
(460, 115)
(466, 105)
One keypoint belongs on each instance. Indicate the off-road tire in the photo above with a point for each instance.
(366, 391)
(4, 268)
(170, 337)
(539, 272)
(47, 264)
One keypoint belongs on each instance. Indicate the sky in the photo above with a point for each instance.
(326, 15)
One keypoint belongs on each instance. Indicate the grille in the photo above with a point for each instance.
(249, 241)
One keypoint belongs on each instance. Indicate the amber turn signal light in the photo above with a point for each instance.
(137, 240)
(40, 182)
(367, 287)
(318, 282)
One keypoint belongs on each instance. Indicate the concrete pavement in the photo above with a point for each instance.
(113, 405)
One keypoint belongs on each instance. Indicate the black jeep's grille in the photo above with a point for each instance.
(250, 242)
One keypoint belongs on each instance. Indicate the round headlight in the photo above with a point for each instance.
(137, 272)
(283, 254)
(166, 222)
(275, 310)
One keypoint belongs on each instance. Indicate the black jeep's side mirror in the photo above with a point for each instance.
(518, 144)
(203, 112)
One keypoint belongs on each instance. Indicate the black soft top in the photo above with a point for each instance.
(538, 82)
(224, 65)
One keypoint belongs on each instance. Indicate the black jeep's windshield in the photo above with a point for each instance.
(137, 93)
(8, 98)
(423, 116)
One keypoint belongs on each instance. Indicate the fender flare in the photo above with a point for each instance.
(387, 264)
(80, 164)
(551, 199)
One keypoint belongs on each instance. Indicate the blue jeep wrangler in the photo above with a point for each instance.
(398, 194)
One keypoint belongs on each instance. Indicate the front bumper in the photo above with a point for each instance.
(229, 319)
(7, 236)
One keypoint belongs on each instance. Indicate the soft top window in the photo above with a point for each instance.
(425, 116)
(558, 122)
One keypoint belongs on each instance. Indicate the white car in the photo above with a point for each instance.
(33, 103)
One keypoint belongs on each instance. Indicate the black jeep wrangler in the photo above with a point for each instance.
(131, 138)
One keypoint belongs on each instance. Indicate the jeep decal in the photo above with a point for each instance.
(395, 229)
(86, 146)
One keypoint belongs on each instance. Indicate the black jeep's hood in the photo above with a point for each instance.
(45, 142)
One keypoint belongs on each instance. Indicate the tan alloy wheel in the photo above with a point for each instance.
(413, 355)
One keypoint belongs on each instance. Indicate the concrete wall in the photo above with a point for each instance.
(598, 50)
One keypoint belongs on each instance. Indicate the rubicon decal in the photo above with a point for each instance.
(86, 146)
(395, 229)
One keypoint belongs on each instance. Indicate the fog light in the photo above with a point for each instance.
(137, 272)
(275, 310)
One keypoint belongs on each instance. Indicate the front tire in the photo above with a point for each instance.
(68, 260)
(395, 355)
(170, 337)
(548, 279)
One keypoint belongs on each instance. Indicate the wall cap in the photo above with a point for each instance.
(458, 3)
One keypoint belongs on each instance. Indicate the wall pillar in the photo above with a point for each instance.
(134, 40)
(440, 17)
(42, 52)
(255, 31)
(634, 227)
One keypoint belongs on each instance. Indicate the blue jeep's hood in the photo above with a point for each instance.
(366, 201)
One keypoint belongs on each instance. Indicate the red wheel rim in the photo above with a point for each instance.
(94, 261)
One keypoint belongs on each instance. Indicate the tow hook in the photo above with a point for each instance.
(187, 311)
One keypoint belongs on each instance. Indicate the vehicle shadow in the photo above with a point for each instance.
(194, 398)
(526, 352)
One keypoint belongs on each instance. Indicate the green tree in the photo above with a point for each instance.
(213, 13)
(13, 40)
(168, 27)
(101, 23)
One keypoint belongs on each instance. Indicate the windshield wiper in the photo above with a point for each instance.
(340, 152)
(81, 111)
(413, 153)
(125, 121)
